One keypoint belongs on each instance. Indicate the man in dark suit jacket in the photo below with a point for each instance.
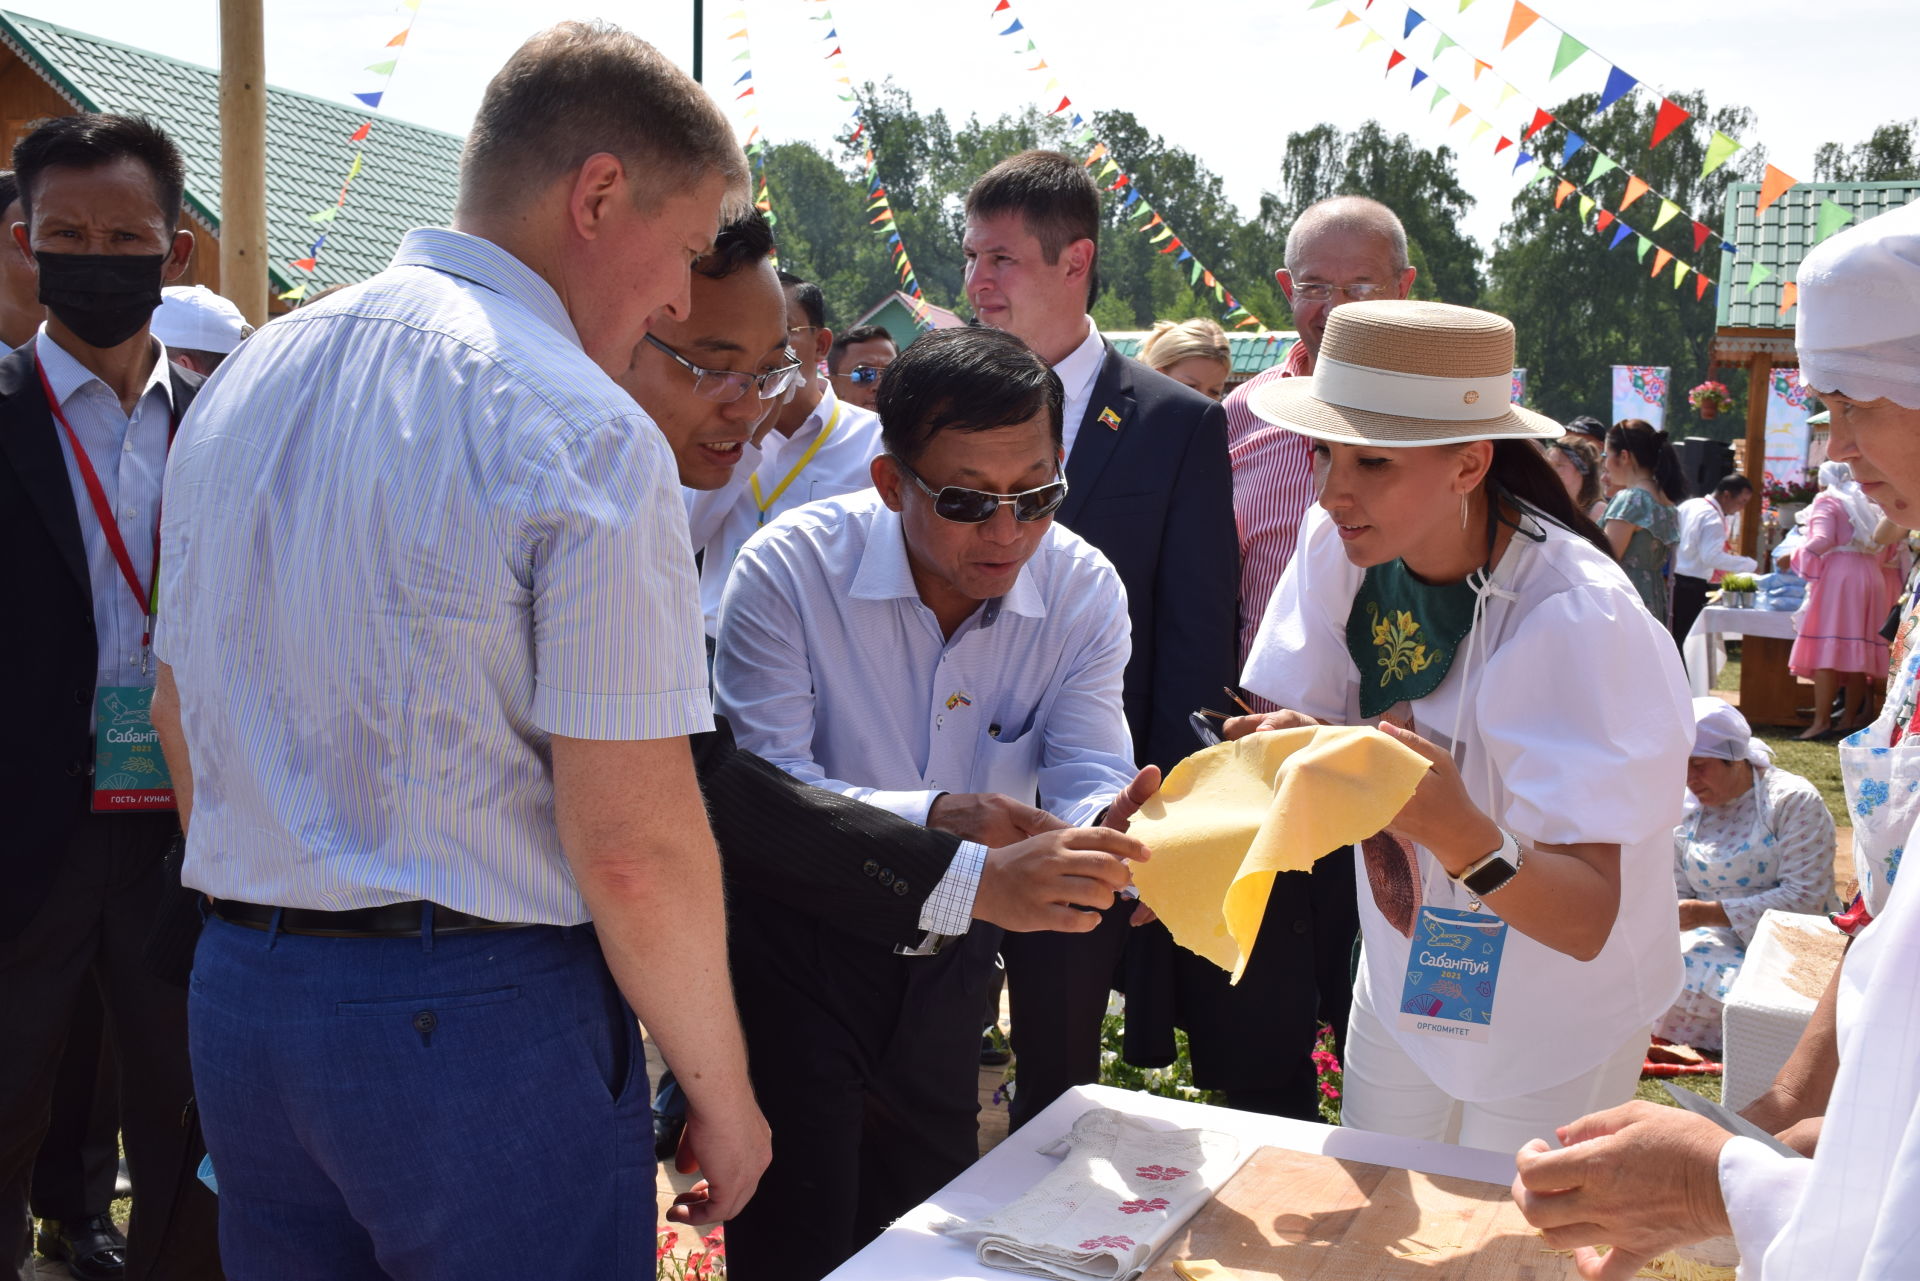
(1151, 487)
(102, 205)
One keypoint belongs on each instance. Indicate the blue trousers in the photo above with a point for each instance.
(467, 1106)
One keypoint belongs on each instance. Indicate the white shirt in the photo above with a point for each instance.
(1078, 372)
(1851, 1210)
(830, 666)
(129, 457)
(1553, 760)
(411, 532)
(1703, 542)
(722, 520)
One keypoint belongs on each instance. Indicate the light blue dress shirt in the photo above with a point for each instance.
(412, 531)
(129, 455)
(830, 666)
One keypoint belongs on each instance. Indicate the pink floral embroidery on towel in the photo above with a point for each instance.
(1141, 1206)
(1108, 1243)
(1160, 1173)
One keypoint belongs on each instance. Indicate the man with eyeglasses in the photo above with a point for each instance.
(855, 362)
(816, 446)
(939, 647)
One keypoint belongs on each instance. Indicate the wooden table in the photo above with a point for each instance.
(1769, 693)
(911, 1251)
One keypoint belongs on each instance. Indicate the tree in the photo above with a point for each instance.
(1580, 307)
(1891, 154)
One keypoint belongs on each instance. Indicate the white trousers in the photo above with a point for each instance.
(1384, 1090)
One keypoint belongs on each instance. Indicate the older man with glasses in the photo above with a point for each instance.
(938, 647)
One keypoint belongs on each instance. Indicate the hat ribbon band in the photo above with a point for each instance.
(1389, 391)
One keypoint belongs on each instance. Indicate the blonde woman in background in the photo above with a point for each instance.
(1193, 352)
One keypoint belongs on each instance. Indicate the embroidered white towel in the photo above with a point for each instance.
(1124, 1188)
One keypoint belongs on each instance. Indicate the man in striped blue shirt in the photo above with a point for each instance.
(435, 647)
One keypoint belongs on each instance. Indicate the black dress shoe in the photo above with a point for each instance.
(93, 1248)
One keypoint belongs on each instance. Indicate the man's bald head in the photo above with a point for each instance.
(1338, 251)
(1349, 216)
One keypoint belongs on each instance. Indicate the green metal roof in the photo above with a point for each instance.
(1252, 353)
(1781, 239)
(408, 178)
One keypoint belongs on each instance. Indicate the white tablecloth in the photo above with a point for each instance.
(911, 1251)
(1703, 652)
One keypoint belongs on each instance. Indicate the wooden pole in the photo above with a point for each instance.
(1759, 374)
(243, 157)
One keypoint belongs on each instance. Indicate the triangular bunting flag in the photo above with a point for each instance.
(1619, 85)
(1347, 19)
(1506, 91)
(1098, 152)
(397, 41)
(1517, 22)
(1620, 234)
(1586, 206)
(325, 215)
(1758, 274)
(1602, 164)
(1700, 233)
(1479, 66)
(1569, 52)
(1719, 148)
(1394, 59)
(1561, 192)
(1571, 148)
(305, 264)
(1460, 113)
(1680, 270)
(1502, 145)
(1413, 20)
(1439, 92)
(1064, 104)
(1110, 167)
(1480, 129)
(1789, 295)
(1441, 45)
(1773, 186)
(1193, 277)
(360, 134)
(1668, 212)
(1603, 220)
(1699, 286)
(1418, 76)
(383, 68)
(1670, 117)
(1526, 158)
(371, 99)
(744, 75)
(296, 293)
(1660, 260)
(1017, 26)
(1370, 39)
(1832, 218)
(1541, 119)
(1171, 245)
(1636, 188)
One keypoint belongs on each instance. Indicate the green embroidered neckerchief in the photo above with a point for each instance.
(1403, 633)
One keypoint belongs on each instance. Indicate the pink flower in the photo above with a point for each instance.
(1329, 1089)
(1160, 1173)
(1142, 1206)
(1108, 1243)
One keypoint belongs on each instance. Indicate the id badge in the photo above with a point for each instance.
(1453, 971)
(129, 773)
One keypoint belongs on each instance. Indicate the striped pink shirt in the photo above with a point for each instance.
(1272, 489)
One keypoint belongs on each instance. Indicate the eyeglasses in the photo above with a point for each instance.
(726, 386)
(976, 507)
(864, 374)
(1320, 291)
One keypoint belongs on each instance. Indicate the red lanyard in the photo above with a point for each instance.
(146, 597)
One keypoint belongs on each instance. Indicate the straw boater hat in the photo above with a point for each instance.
(1397, 373)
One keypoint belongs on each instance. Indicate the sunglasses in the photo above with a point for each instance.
(976, 507)
(724, 386)
(864, 374)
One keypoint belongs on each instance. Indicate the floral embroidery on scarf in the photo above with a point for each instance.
(1396, 636)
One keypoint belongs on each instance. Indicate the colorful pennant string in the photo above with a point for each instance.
(1234, 310)
(754, 145)
(324, 219)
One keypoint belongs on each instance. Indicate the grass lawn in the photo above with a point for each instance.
(1818, 763)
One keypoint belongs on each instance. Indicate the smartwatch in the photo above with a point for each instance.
(1495, 870)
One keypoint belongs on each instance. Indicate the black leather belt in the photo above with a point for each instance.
(390, 920)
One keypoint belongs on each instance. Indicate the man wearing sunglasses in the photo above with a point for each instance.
(938, 647)
(855, 362)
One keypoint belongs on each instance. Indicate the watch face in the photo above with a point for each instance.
(1492, 876)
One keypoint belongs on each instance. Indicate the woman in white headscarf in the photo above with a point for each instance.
(1755, 838)
(1516, 921)
(1849, 591)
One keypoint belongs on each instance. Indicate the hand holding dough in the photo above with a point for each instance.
(1231, 816)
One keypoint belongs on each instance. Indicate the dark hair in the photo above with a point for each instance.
(1648, 448)
(808, 295)
(1733, 483)
(1587, 425)
(9, 189)
(1521, 474)
(837, 354)
(745, 241)
(94, 139)
(1055, 197)
(580, 88)
(963, 380)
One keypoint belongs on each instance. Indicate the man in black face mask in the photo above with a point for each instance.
(87, 411)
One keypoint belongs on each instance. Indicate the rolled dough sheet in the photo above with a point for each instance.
(1231, 816)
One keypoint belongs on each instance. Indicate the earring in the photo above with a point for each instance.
(1463, 511)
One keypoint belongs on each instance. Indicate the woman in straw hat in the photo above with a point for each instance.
(1517, 916)
(1642, 1178)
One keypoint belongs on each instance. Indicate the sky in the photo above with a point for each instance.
(1228, 83)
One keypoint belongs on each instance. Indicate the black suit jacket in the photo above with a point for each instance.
(48, 644)
(1155, 494)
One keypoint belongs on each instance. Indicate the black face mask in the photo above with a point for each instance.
(104, 299)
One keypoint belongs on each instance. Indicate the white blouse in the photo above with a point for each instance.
(1568, 714)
